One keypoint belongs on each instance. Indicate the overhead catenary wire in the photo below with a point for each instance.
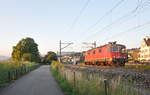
(133, 29)
(116, 21)
(109, 25)
(78, 16)
(139, 6)
(129, 30)
(105, 15)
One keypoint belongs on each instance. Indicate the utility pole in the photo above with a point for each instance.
(61, 48)
(94, 44)
(60, 51)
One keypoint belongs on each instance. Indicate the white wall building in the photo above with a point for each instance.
(145, 50)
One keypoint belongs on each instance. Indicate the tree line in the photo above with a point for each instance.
(27, 50)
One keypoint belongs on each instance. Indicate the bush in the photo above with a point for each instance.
(56, 65)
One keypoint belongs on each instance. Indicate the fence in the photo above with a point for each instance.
(100, 83)
(14, 74)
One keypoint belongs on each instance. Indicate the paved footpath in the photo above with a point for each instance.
(37, 82)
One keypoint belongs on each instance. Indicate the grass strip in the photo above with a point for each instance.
(66, 87)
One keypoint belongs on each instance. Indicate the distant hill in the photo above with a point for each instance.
(4, 58)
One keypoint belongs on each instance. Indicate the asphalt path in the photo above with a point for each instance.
(37, 82)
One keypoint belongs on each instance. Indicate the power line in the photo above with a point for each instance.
(80, 13)
(133, 28)
(114, 22)
(119, 19)
(126, 15)
(107, 13)
(129, 30)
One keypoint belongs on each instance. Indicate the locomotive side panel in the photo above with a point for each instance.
(99, 55)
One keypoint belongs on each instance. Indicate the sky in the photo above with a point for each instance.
(48, 21)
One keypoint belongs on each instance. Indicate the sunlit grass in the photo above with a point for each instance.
(91, 83)
(139, 67)
(5, 67)
(82, 87)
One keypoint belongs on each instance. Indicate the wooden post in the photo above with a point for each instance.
(19, 71)
(26, 69)
(9, 76)
(88, 76)
(23, 70)
(74, 74)
(65, 76)
(13, 73)
(16, 74)
(105, 86)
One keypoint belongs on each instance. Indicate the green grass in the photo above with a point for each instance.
(6, 67)
(83, 87)
(87, 85)
(93, 86)
(66, 87)
(140, 67)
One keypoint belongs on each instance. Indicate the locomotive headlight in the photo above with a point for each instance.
(114, 56)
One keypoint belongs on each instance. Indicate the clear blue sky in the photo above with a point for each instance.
(48, 21)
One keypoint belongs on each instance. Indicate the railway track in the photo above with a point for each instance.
(141, 77)
(145, 73)
(109, 67)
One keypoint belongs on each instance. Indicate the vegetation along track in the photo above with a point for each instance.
(141, 78)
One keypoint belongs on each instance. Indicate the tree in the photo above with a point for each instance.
(49, 57)
(27, 57)
(26, 49)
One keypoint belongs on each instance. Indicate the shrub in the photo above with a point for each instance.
(56, 65)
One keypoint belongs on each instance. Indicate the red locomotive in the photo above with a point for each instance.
(109, 54)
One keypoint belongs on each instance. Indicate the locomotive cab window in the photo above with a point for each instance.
(100, 50)
(88, 53)
(123, 50)
(94, 52)
(113, 49)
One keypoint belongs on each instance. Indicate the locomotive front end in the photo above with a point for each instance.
(119, 55)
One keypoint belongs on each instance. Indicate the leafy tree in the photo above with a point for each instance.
(27, 57)
(26, 49)
(49, 57)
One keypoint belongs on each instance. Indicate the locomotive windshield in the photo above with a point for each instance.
(123, 49)
(113, 49)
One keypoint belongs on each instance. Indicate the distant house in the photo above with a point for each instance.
(133, 54)
(145, 50)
